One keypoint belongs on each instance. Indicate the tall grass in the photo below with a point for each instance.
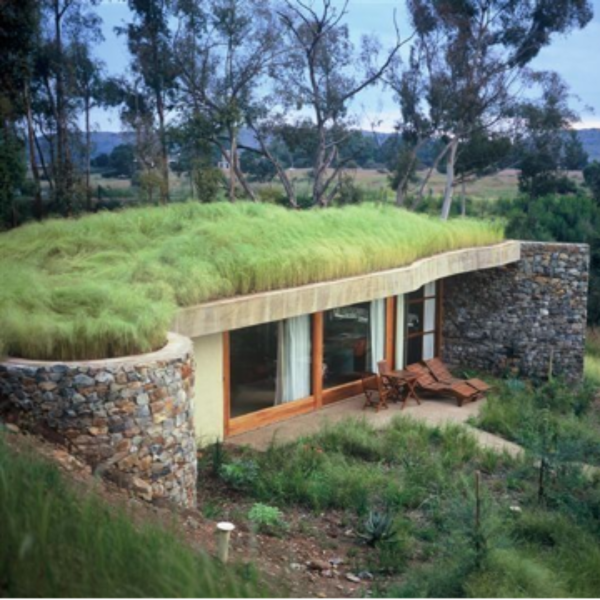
(57, 543)
(109, 284)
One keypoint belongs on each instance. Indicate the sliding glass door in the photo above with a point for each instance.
(269, 365)
(353, 342)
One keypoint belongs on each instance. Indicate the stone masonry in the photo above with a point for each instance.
(130, 419)
(527, 318)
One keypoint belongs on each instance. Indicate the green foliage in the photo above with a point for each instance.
(591, 176)
(109, 284)
(266, 518)
(378, 528)
(59, 543)
(551, 420)
(240, 474)
(208, 182)
(12, 175)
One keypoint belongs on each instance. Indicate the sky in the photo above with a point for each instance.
(576, 57)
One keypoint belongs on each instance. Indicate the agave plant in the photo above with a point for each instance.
(378, 527)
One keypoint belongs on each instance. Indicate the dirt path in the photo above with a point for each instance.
(431, 412)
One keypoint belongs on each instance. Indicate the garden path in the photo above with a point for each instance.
(431, 411)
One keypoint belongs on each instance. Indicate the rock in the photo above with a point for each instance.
(12, 428)
(82, 380)
(104, 377)
(365, 575)
(328, 573)
(297, 567)
(336, 561)
(353, 578)
(317, 565)
(141, 488)
(48, 386)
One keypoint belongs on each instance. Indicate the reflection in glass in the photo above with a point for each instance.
(253, 352)
(346, 344)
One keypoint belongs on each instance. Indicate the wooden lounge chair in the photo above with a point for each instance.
(441, 373)
(376, 394)
(460, 390)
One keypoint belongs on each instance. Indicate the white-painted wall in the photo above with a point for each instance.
(208, 388)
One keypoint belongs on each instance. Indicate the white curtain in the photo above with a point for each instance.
(429, 322)
(377, 310)
(400, 331)
(293, 359)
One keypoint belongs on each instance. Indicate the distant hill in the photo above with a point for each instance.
(105, 141)
(590, 138)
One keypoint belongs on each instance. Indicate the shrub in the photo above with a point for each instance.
(240, 474)
(266, 518)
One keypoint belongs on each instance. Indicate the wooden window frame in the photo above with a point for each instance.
(319, 397)
(437, 332)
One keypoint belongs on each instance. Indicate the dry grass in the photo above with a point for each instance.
(109, 284)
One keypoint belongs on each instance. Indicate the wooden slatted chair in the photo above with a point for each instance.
(460, 390)
(376, 394)
(442, 374)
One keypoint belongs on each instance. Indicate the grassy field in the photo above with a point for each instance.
(60, 543)
(109, 284)
(503, 184)
(408, 491)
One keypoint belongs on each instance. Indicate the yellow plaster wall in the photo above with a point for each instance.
(208, 388)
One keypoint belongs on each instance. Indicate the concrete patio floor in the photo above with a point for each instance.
(431, 411)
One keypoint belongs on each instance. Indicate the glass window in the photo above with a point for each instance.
(421, 324)
(270, 364)
(353, 341)
(253, 368)
(345, 344)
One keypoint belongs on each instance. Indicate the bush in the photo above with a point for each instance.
(240, 474)
(266, 518)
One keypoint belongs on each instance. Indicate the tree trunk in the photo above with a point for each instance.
(88, 156)
(37, 193)
(450, 162)
(232, 155)
(433, 167)
(63, 187)
(318, 195)
(463, 198)
(164, 154)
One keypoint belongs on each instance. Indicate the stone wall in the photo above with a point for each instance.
(131, 419)
(525, 318)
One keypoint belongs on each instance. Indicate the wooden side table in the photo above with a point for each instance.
(402, 377)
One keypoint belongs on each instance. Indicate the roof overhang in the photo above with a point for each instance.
(254, 309)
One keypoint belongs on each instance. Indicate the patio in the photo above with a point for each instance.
(437, 411)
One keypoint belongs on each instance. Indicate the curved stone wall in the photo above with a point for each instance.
(130, 418)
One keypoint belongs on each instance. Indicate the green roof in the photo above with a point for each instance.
(109, 284)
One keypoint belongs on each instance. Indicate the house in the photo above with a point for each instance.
(256, 350)
(510, 307)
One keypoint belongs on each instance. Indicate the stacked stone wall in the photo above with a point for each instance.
(527, 318)
(130, 419)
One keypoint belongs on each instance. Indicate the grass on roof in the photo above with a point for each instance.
(109, 284)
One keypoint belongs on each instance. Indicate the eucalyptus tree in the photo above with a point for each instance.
(87, 82)
(18, 39)
(323, 73)
(63, 22)
(222, 70)
(149, 39)
(474, 56)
